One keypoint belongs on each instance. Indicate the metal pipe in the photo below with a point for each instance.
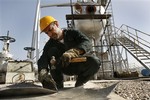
(35, 30)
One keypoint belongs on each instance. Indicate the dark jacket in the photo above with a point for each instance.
(72, 39)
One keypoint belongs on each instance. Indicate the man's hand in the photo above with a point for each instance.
(42, 75)
(71, 53)
(46, 79)
(68, 55)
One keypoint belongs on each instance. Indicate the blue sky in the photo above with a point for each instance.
(17, 16)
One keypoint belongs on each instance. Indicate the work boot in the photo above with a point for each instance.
(58, 78)
(81, 80)
(49, 83)
(46, 79)
(60, 85)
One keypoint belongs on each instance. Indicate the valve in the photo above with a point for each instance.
(29, 50)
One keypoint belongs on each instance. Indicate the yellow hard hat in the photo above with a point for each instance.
(45, 21)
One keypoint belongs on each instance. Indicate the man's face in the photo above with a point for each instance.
(52, 31)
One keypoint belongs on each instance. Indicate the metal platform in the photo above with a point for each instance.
(87, 16)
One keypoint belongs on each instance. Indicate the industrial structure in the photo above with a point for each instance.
(112, 45)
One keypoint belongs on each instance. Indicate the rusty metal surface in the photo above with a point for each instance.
(78, 93)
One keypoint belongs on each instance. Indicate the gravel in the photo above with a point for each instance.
(133, 90)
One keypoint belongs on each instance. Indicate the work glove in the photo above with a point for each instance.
(46, 79)
(71, 53)
(44, 75)
(68, 55)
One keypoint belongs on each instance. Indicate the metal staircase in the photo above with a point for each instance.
(134, 41)
(121, 40)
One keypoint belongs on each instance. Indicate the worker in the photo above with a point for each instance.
(63, 45)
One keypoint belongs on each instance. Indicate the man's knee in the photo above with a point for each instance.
(94, 61)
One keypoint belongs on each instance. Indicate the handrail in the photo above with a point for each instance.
(130, 34)
(138, 41)
(135, 29)
(107, 6)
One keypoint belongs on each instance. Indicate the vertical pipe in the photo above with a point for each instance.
(35, 30)
(38, 39)
(72, 14)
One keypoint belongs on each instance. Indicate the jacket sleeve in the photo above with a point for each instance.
(83, 42)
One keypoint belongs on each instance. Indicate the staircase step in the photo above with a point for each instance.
(126, 42)
(131, 48)
(143, 55)
(137, 50)
(145, 58)
(147, 62)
